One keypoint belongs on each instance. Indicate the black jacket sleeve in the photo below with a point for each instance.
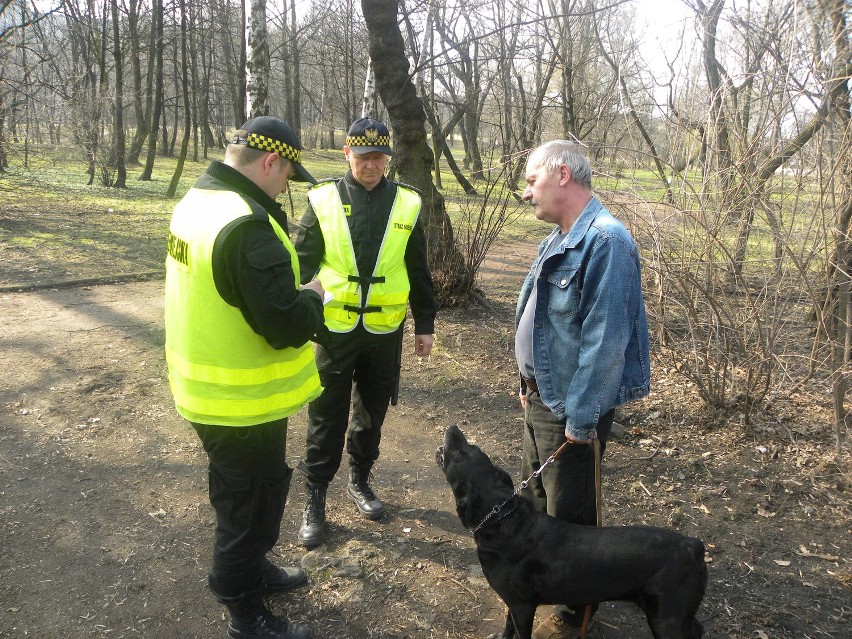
(422, 295)
(253, 272)
(310, 244)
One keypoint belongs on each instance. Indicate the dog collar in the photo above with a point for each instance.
(493, 512)
(522, 485)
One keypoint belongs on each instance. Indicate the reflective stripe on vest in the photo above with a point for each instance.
(387, 295)
(220, 371)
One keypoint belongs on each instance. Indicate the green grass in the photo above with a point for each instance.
(54, 225)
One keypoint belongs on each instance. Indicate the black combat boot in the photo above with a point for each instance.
(360, 492)
(250, 619)
(312, 532)
(277, 580)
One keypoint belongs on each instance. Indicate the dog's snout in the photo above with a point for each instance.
(439, 456)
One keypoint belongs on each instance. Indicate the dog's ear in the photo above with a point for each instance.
(501, 477)
(461, 505)
(465, 503)
(469, 504)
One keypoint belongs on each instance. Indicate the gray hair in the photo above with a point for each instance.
(551, 155)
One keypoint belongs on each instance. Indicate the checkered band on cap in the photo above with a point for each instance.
(364, 140)
(258, 141)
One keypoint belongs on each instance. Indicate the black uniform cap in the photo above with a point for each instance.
(367, 135)
(267, 133)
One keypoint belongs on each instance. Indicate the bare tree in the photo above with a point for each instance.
(257, 60)
(839, 193)
(10, 26)
(140, 109)
(119, 146)
(617, 60)
(86, 24)
(412, 155)
(187, 120)
(156, 48)
(424, 60)
(468, 67)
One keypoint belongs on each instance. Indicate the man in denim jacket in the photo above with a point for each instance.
(581, 341)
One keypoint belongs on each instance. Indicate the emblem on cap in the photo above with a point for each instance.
(367, 135)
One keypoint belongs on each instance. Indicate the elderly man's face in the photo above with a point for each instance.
(544, 191)
(367, 168)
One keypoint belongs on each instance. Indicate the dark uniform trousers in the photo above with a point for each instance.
(357, 367)
(566, 488)
(249, 482)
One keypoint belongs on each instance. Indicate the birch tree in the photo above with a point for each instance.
(257, 60)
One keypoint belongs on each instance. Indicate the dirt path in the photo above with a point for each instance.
(106, 525)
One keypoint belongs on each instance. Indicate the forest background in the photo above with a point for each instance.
(729, 157)
(728, 154)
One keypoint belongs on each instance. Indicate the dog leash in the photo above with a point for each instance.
(596, 451)
(521, 486)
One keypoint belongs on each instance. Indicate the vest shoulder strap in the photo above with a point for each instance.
(323, 182)
(409, 187)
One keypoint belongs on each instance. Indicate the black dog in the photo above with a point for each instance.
(530, 558)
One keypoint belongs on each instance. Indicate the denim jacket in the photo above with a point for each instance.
(590, 332)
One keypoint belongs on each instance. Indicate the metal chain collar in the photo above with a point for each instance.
(521, 486)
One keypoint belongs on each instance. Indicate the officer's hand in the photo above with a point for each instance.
(314, 285)
(422, 345)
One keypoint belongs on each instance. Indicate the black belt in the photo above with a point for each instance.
(531, 385)
(362, 309)
(367, 279)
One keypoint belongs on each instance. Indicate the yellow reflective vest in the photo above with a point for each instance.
(220, 371)
(384, 305)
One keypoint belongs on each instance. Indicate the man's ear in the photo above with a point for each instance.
(269, 162)
(564, 175)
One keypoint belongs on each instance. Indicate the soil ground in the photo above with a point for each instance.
(106, 527)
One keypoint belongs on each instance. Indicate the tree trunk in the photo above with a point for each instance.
(139, 111)
(840, 98)
(187, 121)
(4, 161)
(369, 102)
(154, 121)
(194, 74)
(412, 155)
(296, 70)
(724, 160)
(288, 42)
(119, 147)
(103, 86)
(257, 60)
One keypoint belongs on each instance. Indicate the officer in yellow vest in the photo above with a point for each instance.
(238, 330)
(362, 239)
